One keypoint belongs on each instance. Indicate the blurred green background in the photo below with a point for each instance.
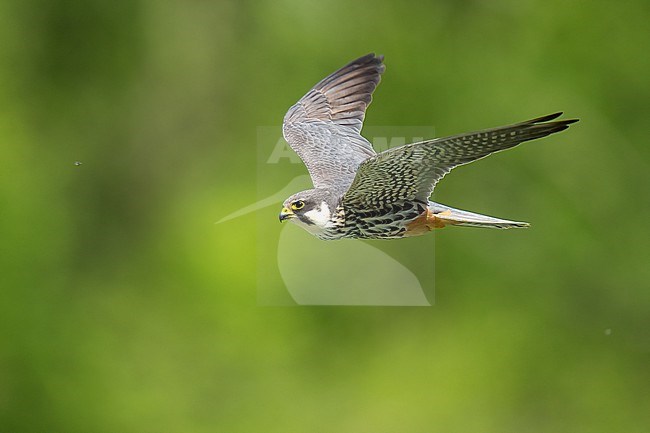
(123, 308)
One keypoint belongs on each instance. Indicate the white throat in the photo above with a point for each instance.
(319, 216)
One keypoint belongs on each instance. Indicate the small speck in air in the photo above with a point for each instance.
(77, 163)
(608, 331)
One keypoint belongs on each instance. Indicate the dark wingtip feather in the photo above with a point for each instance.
(372, 59)
(367, 59)
(548, 117)
(364, 59)
(551, 117)
(541, 119)
(561, 125)
(544, 125)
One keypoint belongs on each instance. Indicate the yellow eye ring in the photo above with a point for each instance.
(297, 205)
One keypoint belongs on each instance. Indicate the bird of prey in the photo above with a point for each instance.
(359, 193)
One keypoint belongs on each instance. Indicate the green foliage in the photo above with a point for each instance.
(124, 308)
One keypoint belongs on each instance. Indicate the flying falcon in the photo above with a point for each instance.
(359, 193)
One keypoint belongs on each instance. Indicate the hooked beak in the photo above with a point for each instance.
(286, 214)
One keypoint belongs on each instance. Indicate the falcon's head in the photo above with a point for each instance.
(311, 209)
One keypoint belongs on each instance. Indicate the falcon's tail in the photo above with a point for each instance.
(450, 216)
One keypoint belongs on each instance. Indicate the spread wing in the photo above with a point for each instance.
(324, 127)
(411, 172)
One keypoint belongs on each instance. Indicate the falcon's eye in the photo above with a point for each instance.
(297, 205)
